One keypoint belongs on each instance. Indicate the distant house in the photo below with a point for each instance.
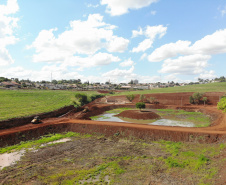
(9, 84)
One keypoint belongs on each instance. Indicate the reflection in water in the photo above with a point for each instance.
(163, 122)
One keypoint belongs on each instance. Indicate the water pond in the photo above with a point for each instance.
(163, 122)
(8, 159)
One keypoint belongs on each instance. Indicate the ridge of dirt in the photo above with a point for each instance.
(136, 114)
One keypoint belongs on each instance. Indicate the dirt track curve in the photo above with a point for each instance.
(78, 122)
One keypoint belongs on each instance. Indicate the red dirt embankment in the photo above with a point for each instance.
(136, 114)
(75, 122)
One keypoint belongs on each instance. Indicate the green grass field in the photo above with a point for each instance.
(19, 103)
(211, 87)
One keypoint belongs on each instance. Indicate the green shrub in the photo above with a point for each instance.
(96, 96)
(142, 98)
(222, 104)
(196, 97)
(130, 97)
(191, 100)
(82, 98)
(140, 105)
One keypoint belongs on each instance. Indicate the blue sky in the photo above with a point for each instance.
(116, 40)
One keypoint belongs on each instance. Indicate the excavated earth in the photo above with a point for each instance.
(79, 121)
(136, 114)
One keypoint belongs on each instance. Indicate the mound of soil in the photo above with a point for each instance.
(136, 114)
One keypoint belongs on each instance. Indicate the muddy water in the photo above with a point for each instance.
(163, 122)
(8, 159)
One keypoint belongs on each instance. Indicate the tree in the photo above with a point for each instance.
(140, 105)
(222, 104)
(204, 100)
(191, 100)
(142, 97)
(152, 99)
(197, 97)
(130, 97)
(82, 99)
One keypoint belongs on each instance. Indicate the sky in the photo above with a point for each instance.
(116, 40)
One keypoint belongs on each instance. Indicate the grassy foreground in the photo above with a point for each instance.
(211, 87)
(20, 103)
(95, 159)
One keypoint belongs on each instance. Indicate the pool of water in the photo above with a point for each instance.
(8, 159)
(162, 122)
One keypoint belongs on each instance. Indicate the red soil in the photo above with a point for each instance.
(78, 121)
(136, 114)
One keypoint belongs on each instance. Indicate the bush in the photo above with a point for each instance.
(142, 98)
(191, 100)
(196, 97)
(81, 98)
(130, 97)
(140, 105)
(96, 96)
(152, 100)
(222, 104)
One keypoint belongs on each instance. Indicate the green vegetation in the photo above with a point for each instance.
(222, 104)
(198, 118)
(140, 105)
(20, 103)
(142, 98)
(107, 160)
(130, 97)
(210, 87)
(39, 142)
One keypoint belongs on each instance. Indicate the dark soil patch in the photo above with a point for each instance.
(136, 114)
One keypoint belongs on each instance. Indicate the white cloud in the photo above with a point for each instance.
(7, 26)
(83, 37)
(143, 56)
(150, 33)
(127, 63)
(186, 65)
(119, 7)
(119, 73)
(169, 50)
(98, 59)
(211, 44)
(117, 44)
(10, 8)
(207, 75)
(208, 45)
(143, 46)
(136, 33)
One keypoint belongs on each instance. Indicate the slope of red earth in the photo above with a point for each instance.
(136, 114)
(80, 121)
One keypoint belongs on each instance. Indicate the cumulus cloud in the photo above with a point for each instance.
(119, 7)
(211, 44)
(169, 50)
(150, 33)
(127, 63)
(7, 26)
(208, 45)
(186, 65)
(192, 59)
(207, 75)
(84, 37)
(119, 73)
